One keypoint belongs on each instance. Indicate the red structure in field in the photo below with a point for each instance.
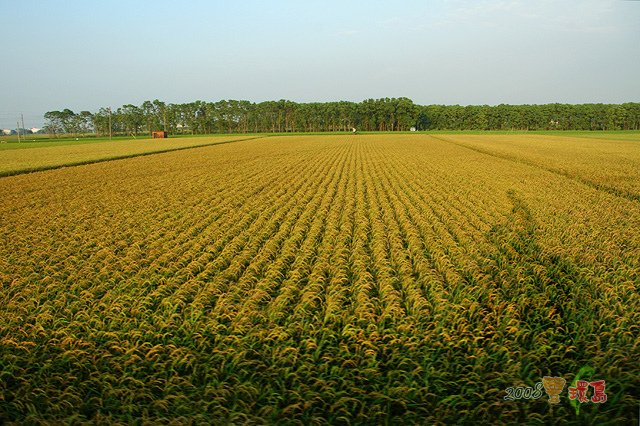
(159, 135)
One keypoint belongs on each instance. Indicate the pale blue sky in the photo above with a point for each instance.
(87, 54)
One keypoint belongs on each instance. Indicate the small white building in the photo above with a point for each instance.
(7, 132)
(35, 130)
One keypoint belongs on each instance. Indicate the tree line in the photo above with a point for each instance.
(385, 114)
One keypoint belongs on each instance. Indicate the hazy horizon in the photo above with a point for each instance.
(85, 55)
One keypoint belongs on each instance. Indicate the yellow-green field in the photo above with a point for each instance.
(15, 159)
(350, 279)
(608, 164)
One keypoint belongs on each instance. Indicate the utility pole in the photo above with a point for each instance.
(109, 123)
(22, 119)
(18, 129)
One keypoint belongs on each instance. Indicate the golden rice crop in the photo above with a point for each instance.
(607, 164)
(34, 158)
(321, 279)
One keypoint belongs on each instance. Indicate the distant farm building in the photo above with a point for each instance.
(159, 135)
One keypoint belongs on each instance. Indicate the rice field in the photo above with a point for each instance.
(353, 279)
(29, 157)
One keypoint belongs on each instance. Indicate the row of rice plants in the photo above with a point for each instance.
(355, 279)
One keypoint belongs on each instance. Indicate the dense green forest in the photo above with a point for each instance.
(386, 114)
